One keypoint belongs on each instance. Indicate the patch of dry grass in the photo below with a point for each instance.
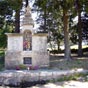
(58, 62)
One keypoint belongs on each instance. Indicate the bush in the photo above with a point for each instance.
(21, 67)
(57, 51)
(74, 50)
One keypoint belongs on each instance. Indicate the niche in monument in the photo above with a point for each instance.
(27, 41)
(27, 60)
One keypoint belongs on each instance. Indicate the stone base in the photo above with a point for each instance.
(40, 59)
(12, 59)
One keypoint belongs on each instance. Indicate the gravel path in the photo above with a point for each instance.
(69, 84)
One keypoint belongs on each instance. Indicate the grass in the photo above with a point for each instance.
(58, 62)
(1, 60)
(1, 52)
(75, 77)
(1, 64)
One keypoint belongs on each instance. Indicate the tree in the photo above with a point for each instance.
(84, 20)
(16, 6)
(5, 12)
(48, 18)
(5, 21)
(58, 6)
(78, 7)
(41, 7)
(66, 7)
(26, 2)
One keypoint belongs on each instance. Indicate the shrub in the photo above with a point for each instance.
(21, 67)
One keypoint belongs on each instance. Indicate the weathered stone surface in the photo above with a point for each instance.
(15, 77)
(40, 59)
(12, 59)
(15, 42)
(39, 42)
(15, 54)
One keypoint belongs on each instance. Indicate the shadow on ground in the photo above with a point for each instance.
(59, 62)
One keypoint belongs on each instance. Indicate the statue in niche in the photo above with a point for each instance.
(27, 40)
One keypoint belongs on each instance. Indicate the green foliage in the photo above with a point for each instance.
(3, 37)
(5, 11)
(15, 4)
(3, 41)
(5, 21)
(22, 67)
(69, 77)
(51, 18)
(1, 60)
(75, 76)
(4, 8)
(1, 53)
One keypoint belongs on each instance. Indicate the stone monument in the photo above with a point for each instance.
(26, 47)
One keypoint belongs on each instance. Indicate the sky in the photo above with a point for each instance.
(34, 16)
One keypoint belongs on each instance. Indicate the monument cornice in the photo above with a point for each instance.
(14, 34)
(40, 34)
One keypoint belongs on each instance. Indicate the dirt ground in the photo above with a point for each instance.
(59, 62)
(68, 84)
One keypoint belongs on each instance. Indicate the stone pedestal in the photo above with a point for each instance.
(13, 59)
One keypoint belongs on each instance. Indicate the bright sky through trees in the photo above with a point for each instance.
(34, 15)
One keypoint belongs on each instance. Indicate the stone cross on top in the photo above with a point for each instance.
(27, 20)
(28, 10)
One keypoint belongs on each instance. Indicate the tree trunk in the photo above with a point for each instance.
(26, 3)
(80, 53)
(17, 22)
(58, 44)
(79, 30)
(45, 19)
(66, 35)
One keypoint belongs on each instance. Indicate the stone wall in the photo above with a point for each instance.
(15, 54)
(39, 50)
(16, 77)
(40, 59)
(39, 42)
(14, 42)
